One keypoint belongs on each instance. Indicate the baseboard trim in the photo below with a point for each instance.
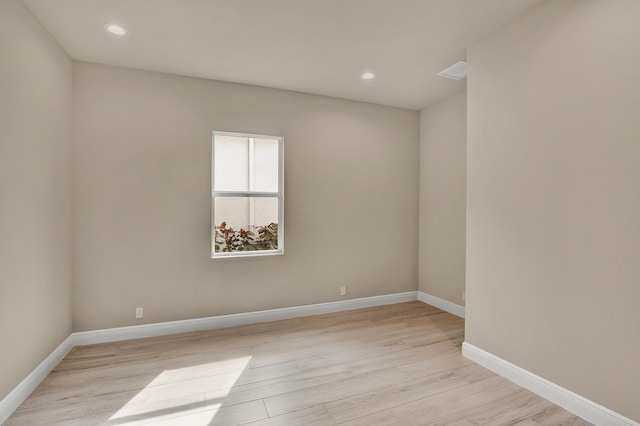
(445, 305)
(570, 401)
(13, 400)
(221, 321)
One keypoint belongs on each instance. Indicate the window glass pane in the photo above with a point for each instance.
(265, 165)
(245, 223)
(232, 210)
(265, 211)
(231, 166)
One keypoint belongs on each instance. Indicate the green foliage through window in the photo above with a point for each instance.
(230, 240)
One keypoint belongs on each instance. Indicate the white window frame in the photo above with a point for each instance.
(279, 195)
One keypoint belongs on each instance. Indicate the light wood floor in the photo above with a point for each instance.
(389, 365)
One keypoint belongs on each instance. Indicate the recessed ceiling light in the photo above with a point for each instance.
(367, 76)
(116, 29)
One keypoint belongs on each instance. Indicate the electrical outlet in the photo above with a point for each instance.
(464, 296)
(139, 313)
(343, 291)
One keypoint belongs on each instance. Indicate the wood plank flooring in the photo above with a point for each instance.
(389, 365)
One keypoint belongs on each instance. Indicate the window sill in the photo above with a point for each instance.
(242, 255)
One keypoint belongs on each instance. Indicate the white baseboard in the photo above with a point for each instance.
(13, 400)
(445, 305)
(570, 401)
(221, 321)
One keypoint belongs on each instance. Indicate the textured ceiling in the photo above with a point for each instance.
(313, 46)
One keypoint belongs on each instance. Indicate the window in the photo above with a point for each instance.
(246, 195)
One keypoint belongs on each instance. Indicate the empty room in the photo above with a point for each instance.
(319, 212)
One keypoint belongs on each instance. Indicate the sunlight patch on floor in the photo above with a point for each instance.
(178, 395)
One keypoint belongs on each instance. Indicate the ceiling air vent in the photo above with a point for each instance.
(457, 71)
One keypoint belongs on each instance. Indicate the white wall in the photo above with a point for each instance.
(142, 164)
(35, 205)
(553, 205)
(443, 162)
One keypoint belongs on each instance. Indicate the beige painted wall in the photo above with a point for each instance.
(443, 161)
(35, 242)
(553, 207)
(142, 198)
